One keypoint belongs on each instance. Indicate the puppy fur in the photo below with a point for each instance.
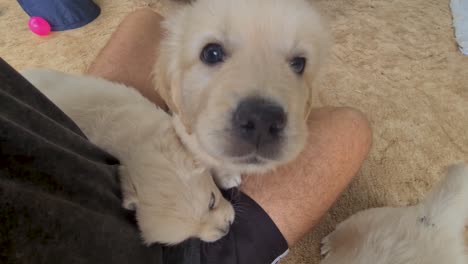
(431, 232)
(170, 191)
(260, 38)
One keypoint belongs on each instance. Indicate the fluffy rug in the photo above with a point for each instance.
(397, 61)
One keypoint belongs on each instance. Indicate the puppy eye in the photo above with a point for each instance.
(298, 64)
(212, 54)
(212, 202)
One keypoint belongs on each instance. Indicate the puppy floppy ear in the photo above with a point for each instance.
(168, 82)
(320, 38)
(315, 68)
(163, 79)
(309, 97)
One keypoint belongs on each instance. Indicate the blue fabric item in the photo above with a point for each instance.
(62, 14)
(460, 23)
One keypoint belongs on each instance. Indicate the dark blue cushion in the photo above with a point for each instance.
(62, 14)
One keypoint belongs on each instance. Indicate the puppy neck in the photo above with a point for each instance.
(190, 141)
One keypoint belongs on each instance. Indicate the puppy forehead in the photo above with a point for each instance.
(283, 25)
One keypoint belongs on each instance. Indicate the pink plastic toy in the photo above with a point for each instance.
(39, 26)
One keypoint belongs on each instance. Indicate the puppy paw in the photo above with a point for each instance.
(130, 203)
(325, 245)
(226, 180)
(232, 181)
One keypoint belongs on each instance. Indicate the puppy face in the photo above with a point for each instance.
(184, 203)
(238, 76)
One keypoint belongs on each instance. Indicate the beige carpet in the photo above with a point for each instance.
(395, 60)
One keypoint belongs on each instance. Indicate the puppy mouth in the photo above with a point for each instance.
(254, 160)
(251, 159)
(224, 230)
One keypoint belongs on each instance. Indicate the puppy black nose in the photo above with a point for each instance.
(259, 121)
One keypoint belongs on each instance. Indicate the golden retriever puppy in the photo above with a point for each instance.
(431, 232)
(238, 77)
(175, 198)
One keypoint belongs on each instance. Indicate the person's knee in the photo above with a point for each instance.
(357, 123)
(348, 125)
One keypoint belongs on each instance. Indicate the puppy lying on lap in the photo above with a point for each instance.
(238, 77)
(174, 196)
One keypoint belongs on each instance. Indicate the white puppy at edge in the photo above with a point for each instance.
(431, 232)
(175, 197)
(238, 78)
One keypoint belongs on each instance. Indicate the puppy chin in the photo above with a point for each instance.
(254, 167)
(261, 165)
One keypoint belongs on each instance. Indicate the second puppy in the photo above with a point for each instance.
(431, 232)
(174, 196)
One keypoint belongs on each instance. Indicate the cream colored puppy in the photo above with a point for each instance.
(175, 197)
(238, 76)
(429, 233)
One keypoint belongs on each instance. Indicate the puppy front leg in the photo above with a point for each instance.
(226, 179)
(342, 239)
(129, 195)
